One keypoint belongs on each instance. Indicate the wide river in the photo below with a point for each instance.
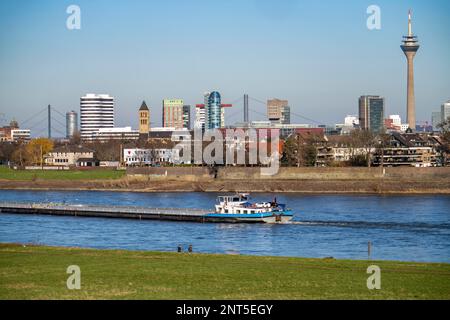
(410, 228)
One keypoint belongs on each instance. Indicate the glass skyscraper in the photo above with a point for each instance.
(371, 113)
(213, 111)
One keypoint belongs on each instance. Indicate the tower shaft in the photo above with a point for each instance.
(411, 101)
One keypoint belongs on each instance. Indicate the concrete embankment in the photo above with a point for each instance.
(405, 180)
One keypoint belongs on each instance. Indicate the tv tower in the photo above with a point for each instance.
(410, 46)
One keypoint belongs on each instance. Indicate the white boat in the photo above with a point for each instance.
(238, 208)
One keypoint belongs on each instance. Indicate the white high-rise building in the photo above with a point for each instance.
(436, 120)
(96, 112)
(200, 119)
(200, 112)
(445, 111)
(351, 121)
(396, 120)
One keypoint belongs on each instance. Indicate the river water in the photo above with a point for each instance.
(410, 228)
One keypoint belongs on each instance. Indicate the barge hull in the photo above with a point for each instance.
(119, 213)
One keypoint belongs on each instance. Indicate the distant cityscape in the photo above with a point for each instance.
(96, 123)
(96, 120)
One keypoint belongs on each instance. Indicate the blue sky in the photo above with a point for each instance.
(317, 54)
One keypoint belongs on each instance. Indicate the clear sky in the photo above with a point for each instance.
(317, 54)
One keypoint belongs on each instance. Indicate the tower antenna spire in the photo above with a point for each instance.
(409, 23)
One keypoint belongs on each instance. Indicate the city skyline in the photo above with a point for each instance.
(303, 71)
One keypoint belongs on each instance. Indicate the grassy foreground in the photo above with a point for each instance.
(10, 174)
(30, 272)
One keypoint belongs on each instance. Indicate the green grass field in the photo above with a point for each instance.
(30, 272)
(100, 174)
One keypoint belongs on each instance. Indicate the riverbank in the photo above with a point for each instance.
(140, 184)
(197, 179)
(37, 272)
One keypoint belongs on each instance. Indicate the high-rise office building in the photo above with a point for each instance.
(211, 114)
(96, 112)
(200, 112)
(71, 124)
(278, 111)
(173, 113)
(187, 116)
(213, 111)
(371, 113)
(445, 111)
(200, 117)
(410, 47)
(285, 115)
(144, 119)
(436, 120)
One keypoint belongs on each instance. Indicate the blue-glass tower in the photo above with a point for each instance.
(213, 111)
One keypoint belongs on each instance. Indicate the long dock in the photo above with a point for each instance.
(119, 212)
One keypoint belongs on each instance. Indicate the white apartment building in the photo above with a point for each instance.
(396, 120)
(351, 121)
(147, 157)
(69, 156)
(345, 154)
(20, 135)
(96, 112)
(404, 127)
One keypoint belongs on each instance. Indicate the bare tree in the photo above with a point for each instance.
(366, 140)
(301, 151)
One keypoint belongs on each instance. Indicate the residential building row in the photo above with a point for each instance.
(401, 149)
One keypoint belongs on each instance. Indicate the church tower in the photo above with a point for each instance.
(144, 119)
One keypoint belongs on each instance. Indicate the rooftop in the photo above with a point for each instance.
(143, 106)
(71, 148)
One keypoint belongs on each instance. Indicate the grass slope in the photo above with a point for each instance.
(10, 174)
(30, 272)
